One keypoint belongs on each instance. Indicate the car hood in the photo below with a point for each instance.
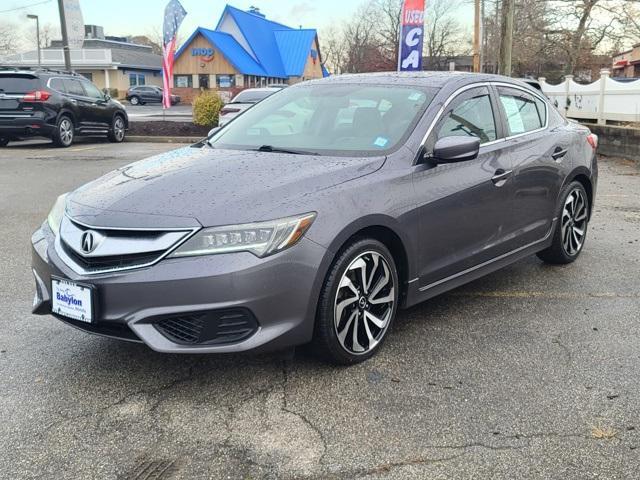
(203, 186)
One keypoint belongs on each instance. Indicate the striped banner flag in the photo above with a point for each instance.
(174, 13)
(411, 35)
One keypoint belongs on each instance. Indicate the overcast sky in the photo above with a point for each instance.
(135, 17)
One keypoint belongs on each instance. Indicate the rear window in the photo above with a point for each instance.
(254, 96)
(18, 83)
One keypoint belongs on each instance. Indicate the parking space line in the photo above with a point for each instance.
(544, 295)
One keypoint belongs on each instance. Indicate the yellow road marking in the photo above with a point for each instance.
(83, 149)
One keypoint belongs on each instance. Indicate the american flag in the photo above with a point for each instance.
(174, 13)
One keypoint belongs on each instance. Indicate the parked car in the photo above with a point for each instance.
(148, 94)
(242, 101)
(385, 190)
(57, 105)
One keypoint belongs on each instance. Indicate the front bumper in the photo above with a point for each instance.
(280, 292)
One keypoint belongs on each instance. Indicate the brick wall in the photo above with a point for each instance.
(187, 95)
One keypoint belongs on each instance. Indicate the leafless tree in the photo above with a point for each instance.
(444, 35)
(8, 38)
(582, 26)
(334, 49)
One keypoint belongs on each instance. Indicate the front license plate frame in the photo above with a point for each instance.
(73, 306)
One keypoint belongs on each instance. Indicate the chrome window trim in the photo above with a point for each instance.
(470, 86)
(190, 232)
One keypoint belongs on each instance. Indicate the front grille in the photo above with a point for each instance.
(95, 264)
(209, 328)
(113, 249)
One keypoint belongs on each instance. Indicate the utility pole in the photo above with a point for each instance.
(65, 39)
(35, 17)
(476, 37)
(506, 37)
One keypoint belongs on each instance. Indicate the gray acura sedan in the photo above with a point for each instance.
(319, 213)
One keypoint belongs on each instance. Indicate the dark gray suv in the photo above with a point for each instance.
(318, 213)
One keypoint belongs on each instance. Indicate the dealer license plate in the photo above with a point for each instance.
(71, 300)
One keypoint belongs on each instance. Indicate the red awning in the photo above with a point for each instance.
(621, 63)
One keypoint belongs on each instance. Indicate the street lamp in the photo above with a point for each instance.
(35, 17)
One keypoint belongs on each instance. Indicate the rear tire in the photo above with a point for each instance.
(571, 228)
(117, 132)
(134, 101)
(4, 141)
(358, 303)
(64, 132)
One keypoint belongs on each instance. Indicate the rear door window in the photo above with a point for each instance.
(524, 112)
(57, 84)
(73, 87)
(18, 84)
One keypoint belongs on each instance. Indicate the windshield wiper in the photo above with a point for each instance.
(271, 148)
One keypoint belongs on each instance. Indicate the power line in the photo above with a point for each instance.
(25, 6)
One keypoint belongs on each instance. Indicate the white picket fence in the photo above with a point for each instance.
(603, 100)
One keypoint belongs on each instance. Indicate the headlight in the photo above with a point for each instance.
(56, 213)
(261, 239)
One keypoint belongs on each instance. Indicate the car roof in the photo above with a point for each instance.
(261, 89)
(38, 72)
(424, 79)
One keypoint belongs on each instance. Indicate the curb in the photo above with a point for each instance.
(152, 139)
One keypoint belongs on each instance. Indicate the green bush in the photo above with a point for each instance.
(206, 109)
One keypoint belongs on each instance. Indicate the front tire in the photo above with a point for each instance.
(358, 303)
(117, 132)
(64, 132)
(571, 229)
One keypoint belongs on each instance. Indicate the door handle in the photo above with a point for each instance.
(558, 153)
(501, 176)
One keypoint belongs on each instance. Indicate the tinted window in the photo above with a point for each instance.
(336, 119)
(73, 87)
(92, 90)
(252, 96)
(470, 117)
(57, 84)
(18, 83)
(524, 112)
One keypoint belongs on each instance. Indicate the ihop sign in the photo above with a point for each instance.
(411, 36)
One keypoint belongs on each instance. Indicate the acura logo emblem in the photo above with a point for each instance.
(88, 242)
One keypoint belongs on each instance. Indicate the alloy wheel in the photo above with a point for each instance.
(364, 303)
(66, 131)
(574, 222)
(118, 129)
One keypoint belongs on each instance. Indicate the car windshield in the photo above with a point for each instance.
(329, 119)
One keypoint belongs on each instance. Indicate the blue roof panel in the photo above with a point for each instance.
(234, 52)
(259, 34)
(294, 47)
(276, 50)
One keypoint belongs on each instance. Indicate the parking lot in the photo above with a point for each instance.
(531, 372)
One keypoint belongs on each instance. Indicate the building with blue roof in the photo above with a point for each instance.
(246, 50)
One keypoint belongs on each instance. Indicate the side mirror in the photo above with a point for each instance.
(107, 97)
(455, 149)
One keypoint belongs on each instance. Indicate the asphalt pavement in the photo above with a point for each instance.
(531, 372)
